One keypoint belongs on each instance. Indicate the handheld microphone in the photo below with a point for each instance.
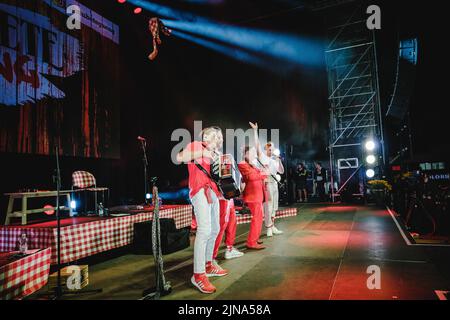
(141, 138)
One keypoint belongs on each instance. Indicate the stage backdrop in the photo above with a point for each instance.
(58, 86)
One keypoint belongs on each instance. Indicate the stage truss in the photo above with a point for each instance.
(355, 112)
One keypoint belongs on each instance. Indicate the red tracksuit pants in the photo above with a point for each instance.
(227, 225)
(256, 209)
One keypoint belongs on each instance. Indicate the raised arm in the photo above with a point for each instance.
(249, 174)
(192, 152)
(280, 166)
(256, 137)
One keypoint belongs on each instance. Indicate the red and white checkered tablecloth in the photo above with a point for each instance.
(86, 239)
(283, 213)
(38, 238)
(22, 277)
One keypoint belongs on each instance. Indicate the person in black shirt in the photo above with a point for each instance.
(300, 177)
(320, 178)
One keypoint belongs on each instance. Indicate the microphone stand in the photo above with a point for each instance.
(145, 163)
(57, 178)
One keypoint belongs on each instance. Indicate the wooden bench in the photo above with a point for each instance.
(24, 196)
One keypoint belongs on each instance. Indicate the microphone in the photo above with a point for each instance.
(141, 139)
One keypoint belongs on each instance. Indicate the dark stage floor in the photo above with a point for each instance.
(323, 254)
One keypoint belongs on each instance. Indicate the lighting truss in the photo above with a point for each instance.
(355, 112)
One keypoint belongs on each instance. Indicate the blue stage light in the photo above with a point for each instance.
(181, 194)
(274, 45)
(178, 195)
(235, 53)
(73, 204)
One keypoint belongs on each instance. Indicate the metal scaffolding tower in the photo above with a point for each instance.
(355, 112)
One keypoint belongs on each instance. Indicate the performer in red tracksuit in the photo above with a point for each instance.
(205, 196)
(253, 195)
(228, 224)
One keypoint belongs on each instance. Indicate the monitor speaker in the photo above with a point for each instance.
(172, 239)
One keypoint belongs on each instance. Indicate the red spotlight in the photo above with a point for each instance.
(137, 10)
(121, 1)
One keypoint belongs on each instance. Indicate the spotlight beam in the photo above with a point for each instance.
(276, 45)
(236, 53)
(279, 46)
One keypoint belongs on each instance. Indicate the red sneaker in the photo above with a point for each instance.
(202, 283)
(214, 270)
(256, 247)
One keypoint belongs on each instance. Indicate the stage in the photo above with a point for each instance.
(323, 254)
(83, 237)
(313, 119)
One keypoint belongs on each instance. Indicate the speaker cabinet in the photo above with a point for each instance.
(172, 239)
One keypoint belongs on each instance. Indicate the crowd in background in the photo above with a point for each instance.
(310, 183)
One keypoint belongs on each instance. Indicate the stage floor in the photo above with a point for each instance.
(323, 254)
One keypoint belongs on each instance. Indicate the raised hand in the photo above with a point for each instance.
(254, 125)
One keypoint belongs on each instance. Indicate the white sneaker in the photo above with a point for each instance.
(233, 253)
(276, 231)
(269, 232)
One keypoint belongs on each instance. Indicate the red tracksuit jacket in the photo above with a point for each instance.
(255, 189)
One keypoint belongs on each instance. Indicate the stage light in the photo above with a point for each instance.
(370, 145)
(148, 196)
(121, 1)
(137, 10)
(277, 152)
(370, 173)
(370, 159)
(73, 205)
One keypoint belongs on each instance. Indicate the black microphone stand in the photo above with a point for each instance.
(57, 177)
(145, 163)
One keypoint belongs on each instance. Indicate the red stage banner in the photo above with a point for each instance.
(58, 85)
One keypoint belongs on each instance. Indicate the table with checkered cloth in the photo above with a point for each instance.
(24, 276)
(86, 239)
(282, 213)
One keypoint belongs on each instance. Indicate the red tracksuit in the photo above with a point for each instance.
(227, 225)
(254, 195)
